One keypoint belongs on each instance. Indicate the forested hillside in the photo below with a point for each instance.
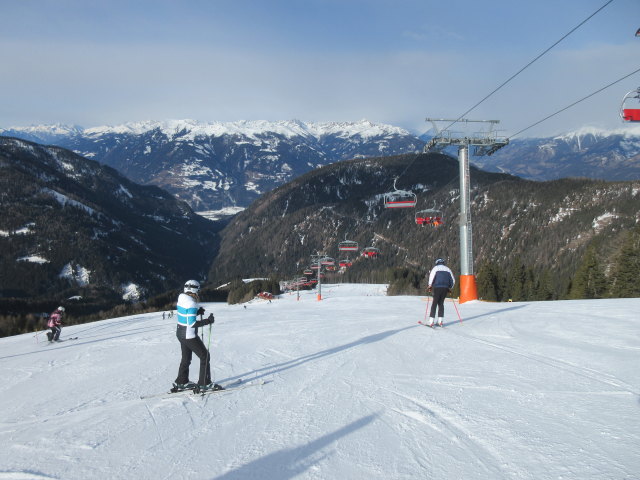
(77, 233)
(530, 238)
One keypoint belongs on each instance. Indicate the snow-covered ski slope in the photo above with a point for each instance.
(354, 389)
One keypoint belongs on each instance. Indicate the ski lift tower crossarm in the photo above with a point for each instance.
(483, 143)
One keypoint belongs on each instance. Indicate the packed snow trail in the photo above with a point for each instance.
(354, 389)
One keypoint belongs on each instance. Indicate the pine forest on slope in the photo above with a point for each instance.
(543, 225)
(71, 226)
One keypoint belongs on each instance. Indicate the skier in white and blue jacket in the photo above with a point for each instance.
(188, 309)
(441, 281)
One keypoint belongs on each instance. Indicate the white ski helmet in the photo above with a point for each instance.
(61, 309)
(441, 261)
(192, 286)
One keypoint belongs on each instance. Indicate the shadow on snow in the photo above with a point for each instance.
(280, 367)
(291, 462)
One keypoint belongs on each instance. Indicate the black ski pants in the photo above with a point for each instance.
(189, 347)
(439, 296)
(54, 334)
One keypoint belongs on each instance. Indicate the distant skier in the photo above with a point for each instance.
(188, 309)
(55, 324)
(441, 281)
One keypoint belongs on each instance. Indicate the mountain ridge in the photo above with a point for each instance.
(70, 223)
(227, 165)
(217, 165)
(544, 225)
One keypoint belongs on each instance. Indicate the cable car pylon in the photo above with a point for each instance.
(483, 144)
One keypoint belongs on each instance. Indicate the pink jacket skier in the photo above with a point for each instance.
(55, 324)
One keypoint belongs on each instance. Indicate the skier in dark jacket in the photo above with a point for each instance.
(441, 281)
(188, 309)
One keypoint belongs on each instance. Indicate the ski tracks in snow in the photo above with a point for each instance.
(451, 432)
(600, 377)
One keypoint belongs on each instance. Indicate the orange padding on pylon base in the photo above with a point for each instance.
(468, 289)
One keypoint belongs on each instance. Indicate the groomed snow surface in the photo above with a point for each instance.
(354, 389)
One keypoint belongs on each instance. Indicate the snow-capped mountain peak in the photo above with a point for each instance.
(247, 128)
(213, 165)
(624, 130)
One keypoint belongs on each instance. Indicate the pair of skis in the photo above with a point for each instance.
(51, 342)
(430, 326)
(238, 384)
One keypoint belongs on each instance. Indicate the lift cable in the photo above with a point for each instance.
(528, 64)
(515, 75)
(574, 103)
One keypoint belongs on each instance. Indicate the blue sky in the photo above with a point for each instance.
(93, 63)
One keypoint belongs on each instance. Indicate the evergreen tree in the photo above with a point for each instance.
(589, 280)
(545, 290)
(488, 282)
(626, 269)
(530, 286)
(403, 281)
(516, 279)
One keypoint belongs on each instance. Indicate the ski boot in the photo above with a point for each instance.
(181, 387)
(211, 387)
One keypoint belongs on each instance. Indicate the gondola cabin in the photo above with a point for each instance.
(308, 271)
(348, 246)
(370, 252)
(630, 109)
(345, 263)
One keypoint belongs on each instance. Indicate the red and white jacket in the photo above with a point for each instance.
(55, 319)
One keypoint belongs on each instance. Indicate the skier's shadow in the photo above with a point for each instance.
(291, 462)
(280, 367)
(486, 314)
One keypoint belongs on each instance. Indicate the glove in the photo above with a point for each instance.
(210, 319)
(429, 289)
(201, 311)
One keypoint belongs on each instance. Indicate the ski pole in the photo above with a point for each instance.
(208, 350)
(454, 306)
(427, 310)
